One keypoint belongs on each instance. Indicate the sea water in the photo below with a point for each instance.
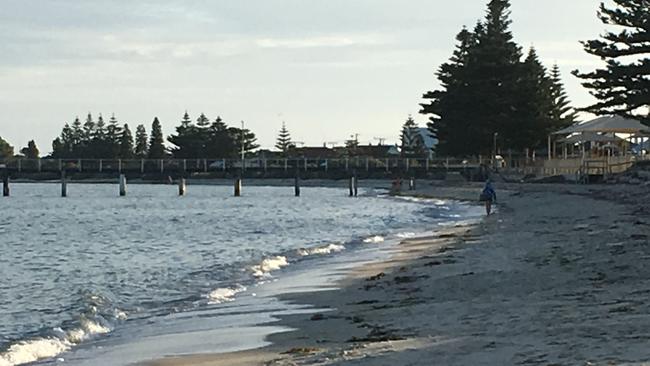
(94, 272)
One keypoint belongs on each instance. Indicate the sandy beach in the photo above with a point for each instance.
(558, 276)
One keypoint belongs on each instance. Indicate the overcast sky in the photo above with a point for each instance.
(329, 68)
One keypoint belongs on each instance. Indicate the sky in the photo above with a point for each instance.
(328, 68)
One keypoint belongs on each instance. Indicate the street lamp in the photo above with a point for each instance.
(242, 146)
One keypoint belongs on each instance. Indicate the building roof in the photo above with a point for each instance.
(429, 141)
(608, 124)
(590, 137)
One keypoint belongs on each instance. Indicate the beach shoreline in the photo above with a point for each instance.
(557, 276)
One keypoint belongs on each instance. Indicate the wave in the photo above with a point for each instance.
(332, 248)
(225, 294)
(28, 351)
(269, 265)
(374, 239)
(406, 235)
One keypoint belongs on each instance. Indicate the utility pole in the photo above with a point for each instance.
(243, 135)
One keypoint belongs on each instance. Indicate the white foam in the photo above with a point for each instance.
(34, 350)
(332, 248)
(406, 235)
(269, 265)
(37, 349)
(374, 239)
(222, 295)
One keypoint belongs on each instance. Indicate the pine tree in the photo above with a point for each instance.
(411, 141)
(6, 150)
(156, 141)
(535, 103)
(487, 89)
(76, 137)
(141, 142)
(623, 86)
(58, 149)
(202, 122)
(31, 151)
(126, 143)
(87, 135)
(283, 143)
(219, 142)
(63, 146)
(495, 71)
(450, 107)
(113, 136)
(562, 113)
(99, 146)
(237, 135)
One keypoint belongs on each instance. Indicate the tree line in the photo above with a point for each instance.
(489, 87)
(100, 140)
(490, 90)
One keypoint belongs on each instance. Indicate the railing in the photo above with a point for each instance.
(233, 165)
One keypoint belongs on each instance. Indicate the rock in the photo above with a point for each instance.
(317, 317)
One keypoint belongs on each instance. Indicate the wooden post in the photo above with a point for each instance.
(122, 185)
(356, 185)
(64, 184)
(237, 187)
(548, 146)
(352, 186)
(100, 165)
(5, 184)
(141, 166)
(296, 185)
(181, 186)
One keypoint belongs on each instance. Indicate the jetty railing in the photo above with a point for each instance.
(288, 165)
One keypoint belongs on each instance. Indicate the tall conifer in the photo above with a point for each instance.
(622, 86)
(283, 142)
(156, 141)
(141, 142)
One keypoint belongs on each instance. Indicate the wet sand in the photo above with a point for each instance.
(559, 275)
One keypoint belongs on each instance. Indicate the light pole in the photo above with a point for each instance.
(242, 147)
(494, 154)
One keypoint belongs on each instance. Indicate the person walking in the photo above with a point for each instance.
(488, 195)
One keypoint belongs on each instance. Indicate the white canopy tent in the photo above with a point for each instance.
(607, 124)
(601, 129)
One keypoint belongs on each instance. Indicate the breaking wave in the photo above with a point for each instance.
(225, 294)
(32, 350)
(374, 239)
(269, 265)
(329, 249)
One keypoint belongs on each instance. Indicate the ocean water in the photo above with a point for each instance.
(93, 271)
